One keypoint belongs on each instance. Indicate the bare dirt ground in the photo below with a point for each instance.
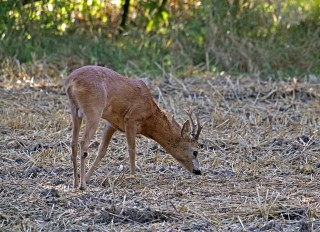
(260, 156)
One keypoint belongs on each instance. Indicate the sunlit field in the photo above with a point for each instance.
(259, 154)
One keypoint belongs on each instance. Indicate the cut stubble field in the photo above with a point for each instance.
(259, 154)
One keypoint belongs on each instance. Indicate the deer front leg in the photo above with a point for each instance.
(131, 140)
(107, 135)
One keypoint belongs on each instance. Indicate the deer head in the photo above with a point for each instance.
(187, 149)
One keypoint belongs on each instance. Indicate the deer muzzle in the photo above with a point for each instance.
(197, 172)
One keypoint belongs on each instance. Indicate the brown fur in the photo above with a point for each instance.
(127, 105)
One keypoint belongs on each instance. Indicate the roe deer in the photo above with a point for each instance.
(127, 105)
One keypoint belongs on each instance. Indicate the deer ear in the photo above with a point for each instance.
(186, 130)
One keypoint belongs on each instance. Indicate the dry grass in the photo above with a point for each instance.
(260, 154)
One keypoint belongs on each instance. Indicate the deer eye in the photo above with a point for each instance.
(195, 153)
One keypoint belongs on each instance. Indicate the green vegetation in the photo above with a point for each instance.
(178, 36)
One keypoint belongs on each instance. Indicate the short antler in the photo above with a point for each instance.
(196, 128)
(196, 137)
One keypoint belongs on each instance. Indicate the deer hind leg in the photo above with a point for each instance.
(76, 123)
(92, 123)
(107, 135)
(131, 131)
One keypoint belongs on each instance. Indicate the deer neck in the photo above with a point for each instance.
(160, 129)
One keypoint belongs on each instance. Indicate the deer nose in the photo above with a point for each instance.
(197, 172)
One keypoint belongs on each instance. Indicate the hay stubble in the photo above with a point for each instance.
(260, 153)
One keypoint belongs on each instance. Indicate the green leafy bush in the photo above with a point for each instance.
(264, 37)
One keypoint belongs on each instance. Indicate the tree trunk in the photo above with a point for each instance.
(125, 12)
